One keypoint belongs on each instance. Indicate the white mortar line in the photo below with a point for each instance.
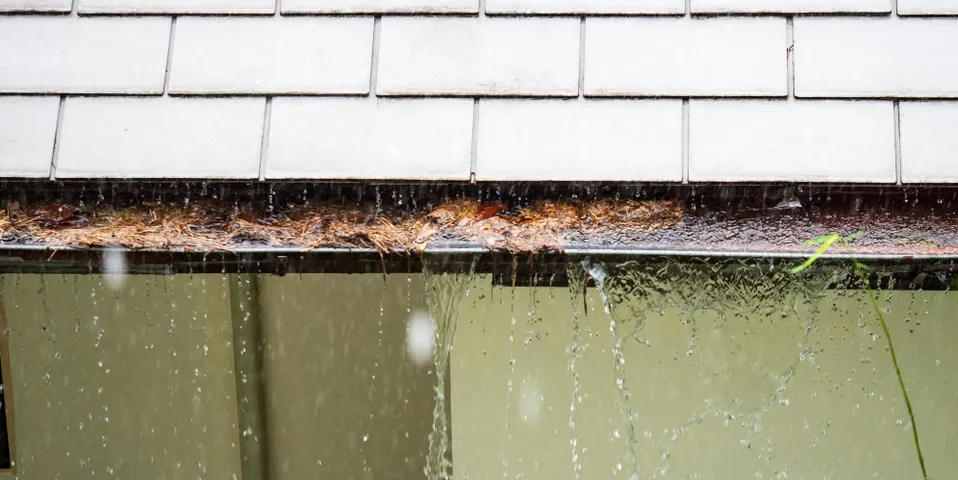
(56, 139)
(264, 143)
(790, 55)
(475, 141)
(582, 57)
(685, 140)
(169, 57)
(374, 61)
(897, 110)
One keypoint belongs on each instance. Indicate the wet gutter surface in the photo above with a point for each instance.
(895, 226)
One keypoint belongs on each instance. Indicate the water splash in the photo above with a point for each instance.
(444, 292)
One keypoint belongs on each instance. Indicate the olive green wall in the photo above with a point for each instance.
(132, 383)
(343, 402)
(710, 397)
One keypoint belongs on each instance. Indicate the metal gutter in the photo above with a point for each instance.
(439, 251)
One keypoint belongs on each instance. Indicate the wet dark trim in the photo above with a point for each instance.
(541, 269)
(416, 194)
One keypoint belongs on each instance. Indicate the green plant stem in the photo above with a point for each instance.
(825, 242)
(894, 358)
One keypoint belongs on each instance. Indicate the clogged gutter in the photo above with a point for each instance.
(565, 225)
(209, 226)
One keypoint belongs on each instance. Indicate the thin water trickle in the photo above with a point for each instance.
(577, 286)
(598, 272)
(444, 292)
(510, 382)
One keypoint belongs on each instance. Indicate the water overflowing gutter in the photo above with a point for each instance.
(292, 228)
(911, 270)
(6, 250)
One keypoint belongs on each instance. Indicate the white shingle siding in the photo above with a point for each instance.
(286, 55)
(380, 6)
(617, 7)
(876, 57)
(356, 138)
(47, 54)
(812, 140)
(177, 6)
(160, 137)
(929, 141)
(739, 56)
(356, 101)
(476, 56)
(580, 140)
(36, 5)
(792, 6)
(927, 7)
(27, 129)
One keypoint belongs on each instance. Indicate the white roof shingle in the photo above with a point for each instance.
(783, 90)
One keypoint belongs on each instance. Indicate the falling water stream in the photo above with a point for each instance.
(626, 431)
(444, 291)
(577, 287)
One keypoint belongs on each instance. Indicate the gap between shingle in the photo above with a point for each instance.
(475, 140)
(56, 139)
(685, 140)
(374, 62)
(169, 57)
(582, 56)
(264, 143)
(790, 56)
(896, 107)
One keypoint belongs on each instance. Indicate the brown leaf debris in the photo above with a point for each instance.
(207, 226)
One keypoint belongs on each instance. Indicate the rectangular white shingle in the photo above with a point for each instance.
(369, 138)
(28, 126)
(479, 56)
(742, 56)
(779, 140)
(47, 54)
(282, 55)
(617, 7)
(791, 6)
(163, 137)
(927, 7)
(36, 5)
(177, 6)
(380, 6)
(876, 57)
(929, 144)
(585, 140)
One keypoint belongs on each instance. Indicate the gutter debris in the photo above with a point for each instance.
(728, 221)
(210, 226)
